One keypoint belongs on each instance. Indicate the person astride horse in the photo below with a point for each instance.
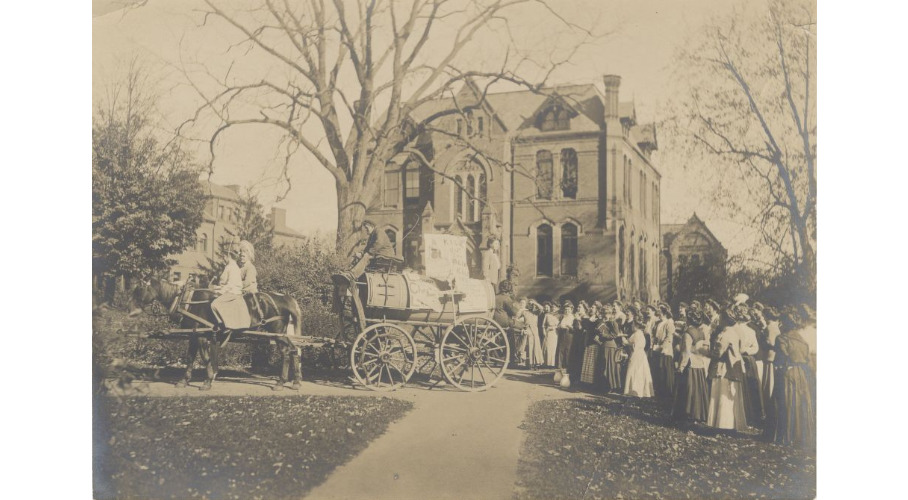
(229, 307)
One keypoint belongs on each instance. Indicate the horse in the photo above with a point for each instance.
(190, 308)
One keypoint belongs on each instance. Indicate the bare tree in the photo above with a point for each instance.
(751, 110)
(347, 77)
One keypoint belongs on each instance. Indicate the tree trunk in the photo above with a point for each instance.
(351, 210)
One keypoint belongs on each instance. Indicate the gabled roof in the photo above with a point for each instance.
(218, 191)
(645, 135)
(627, 110)
(518, 109)
(693, 224)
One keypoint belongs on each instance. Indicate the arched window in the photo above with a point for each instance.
(569, 173)
(632, 271)
(411, 183)
(203, 242)
(544, 253)
(544, 174)
(481, 196)
(555, 118)
(569, 250)
(642, 272)
(471, 193)
(392, 188)
(621, 253)
(392, 235)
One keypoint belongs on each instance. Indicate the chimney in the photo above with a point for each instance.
(278, 218)
(612, 83)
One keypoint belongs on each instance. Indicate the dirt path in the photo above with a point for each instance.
(452, 445)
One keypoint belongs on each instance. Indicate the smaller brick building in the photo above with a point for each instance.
(693, 263)
(222, 212)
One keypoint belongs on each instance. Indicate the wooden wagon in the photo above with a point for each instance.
(401, 323)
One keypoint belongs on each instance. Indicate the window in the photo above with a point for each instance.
(695, 259)
(203, 242)
(392, 235)
(544, 175)
(482, 195)
(555, 118)
(471, 192)
(569, 173)
(544, 253)
(642, 267)
(459, 126)
(392, 188)
(479, 125)
(221, 212)
(411, 183)
(642, 189)
(632, 271)
(621, 253)
(569, 250)
(176, 276)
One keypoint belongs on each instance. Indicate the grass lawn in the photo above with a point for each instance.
(230, 447)
(613, 447)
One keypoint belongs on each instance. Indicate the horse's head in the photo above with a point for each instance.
(142, 295)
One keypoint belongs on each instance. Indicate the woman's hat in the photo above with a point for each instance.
(567, 303)
(713, 304)
(695, 305)
(771, 313)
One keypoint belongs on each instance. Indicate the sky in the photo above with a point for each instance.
(644, 37)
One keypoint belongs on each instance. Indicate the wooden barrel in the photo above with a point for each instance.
(400, 297)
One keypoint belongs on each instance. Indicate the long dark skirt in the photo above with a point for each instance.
(565, 346)
(793, 422)
(753, 394)
(652, 359)
(575, 357)
(692, 396)
(614, 381)
(766, 386)
(666, 371)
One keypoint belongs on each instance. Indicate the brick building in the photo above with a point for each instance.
(562, 177)
(693, 263)
(222, 212)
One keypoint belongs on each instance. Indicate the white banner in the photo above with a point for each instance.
(446, 256)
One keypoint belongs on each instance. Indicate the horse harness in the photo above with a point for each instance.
(260, 302)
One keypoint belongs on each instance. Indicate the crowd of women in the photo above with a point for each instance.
(736, 367)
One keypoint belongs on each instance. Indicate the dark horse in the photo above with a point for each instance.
(271, 313)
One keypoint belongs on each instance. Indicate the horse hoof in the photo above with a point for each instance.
(278, 387)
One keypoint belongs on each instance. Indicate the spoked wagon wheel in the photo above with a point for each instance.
(474, 354)
(383, 357)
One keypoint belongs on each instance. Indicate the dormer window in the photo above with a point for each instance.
(555, 118)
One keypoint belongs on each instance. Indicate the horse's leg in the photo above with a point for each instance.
(208, 350)
(190, 360)
(297, 367)
(285, 366)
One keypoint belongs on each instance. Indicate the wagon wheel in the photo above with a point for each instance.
(474, 354)
(383, 357)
